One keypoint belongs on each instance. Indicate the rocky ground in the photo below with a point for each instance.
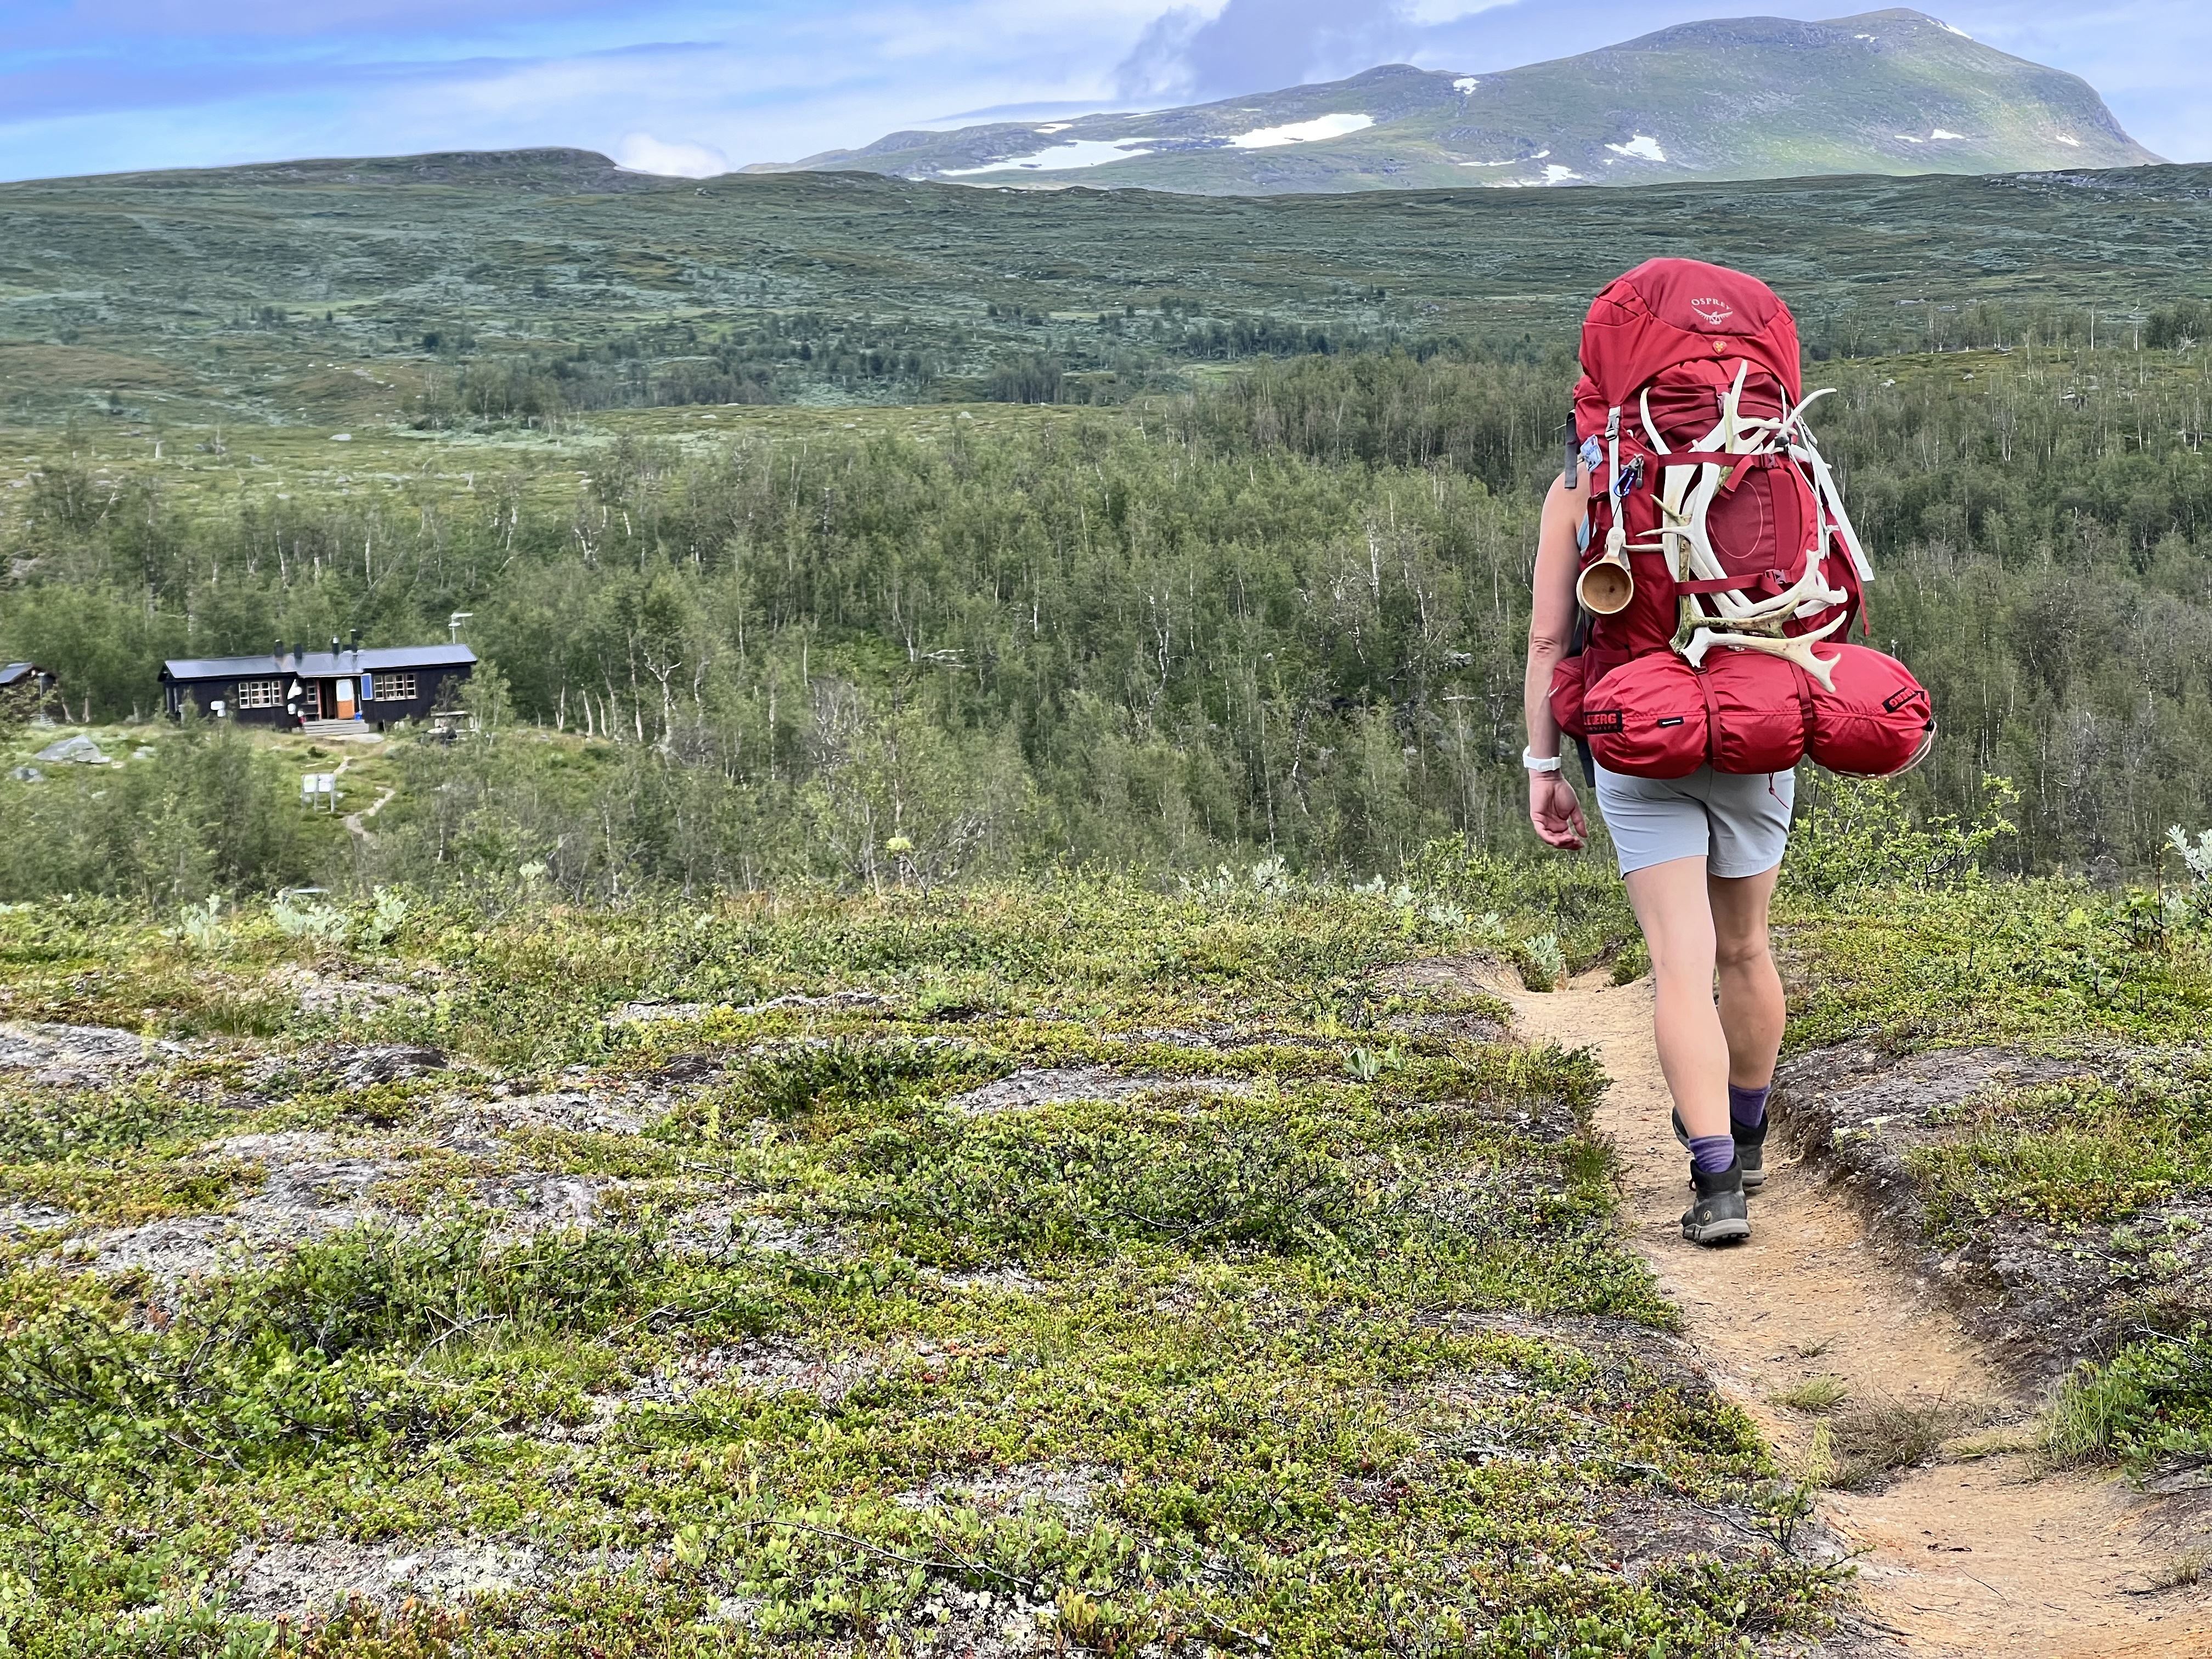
(2044, 1292)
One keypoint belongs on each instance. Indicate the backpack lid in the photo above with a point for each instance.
(1668, 312)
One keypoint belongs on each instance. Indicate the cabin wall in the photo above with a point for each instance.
(430, 690)
(203, 694)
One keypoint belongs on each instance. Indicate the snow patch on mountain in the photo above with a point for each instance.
(1640, 147)
(1554, 174)
(1302, 132)
(1465, 83)
(1058, 158)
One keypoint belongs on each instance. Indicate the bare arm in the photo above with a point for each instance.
(1553, 808)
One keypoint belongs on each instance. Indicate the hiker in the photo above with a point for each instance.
(1688, 559)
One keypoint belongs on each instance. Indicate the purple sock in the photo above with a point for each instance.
(1747, 1106)
(1710, 1154)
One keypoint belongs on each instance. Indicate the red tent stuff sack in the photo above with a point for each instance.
(1657, 717)
(1719, 568)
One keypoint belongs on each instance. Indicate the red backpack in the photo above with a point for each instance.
(1719, 569)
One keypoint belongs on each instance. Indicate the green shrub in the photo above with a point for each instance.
(373, 1288)
(2152, 1400)
(208, 811)
(1860, 835)
(1027, 1189)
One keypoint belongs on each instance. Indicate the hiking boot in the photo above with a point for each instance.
(1750, 1150)
(1720, 1215)
(1751, 1153)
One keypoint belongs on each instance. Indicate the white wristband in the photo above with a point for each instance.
(1537, 762)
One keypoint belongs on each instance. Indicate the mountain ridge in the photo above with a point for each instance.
(1893, 91)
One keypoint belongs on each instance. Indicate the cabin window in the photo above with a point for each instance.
(394, 688)
(259, 694)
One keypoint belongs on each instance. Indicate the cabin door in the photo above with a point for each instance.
(342, 690)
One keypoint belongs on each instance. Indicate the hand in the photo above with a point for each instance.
(1554, 810)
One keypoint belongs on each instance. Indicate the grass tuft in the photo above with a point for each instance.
(1815, 1396)
(1874, 1439)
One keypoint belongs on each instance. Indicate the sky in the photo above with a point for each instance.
(696, 87)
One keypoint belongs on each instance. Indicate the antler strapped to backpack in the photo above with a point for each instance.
(1712, 609)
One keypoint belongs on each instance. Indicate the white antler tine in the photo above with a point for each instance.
(1794, 647)
(1732, 409)
(1791, 421)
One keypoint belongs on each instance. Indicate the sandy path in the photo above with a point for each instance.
(355, 823)
(1977, 1557)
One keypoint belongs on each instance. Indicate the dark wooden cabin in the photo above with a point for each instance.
(26, 690)
(329, 692)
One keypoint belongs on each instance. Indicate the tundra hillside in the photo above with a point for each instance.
(1055, 1265)
(1013, 1269)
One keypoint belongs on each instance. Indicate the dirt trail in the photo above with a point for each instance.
(1979, 1557)
(355, 821)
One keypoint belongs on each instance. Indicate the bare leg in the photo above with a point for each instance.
(1752, 1008)
(1675, 909)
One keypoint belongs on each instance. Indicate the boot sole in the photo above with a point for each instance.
(1719, 1232)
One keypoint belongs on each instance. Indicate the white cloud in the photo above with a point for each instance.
(1192, 52)
(641, 152)
(1430, 13)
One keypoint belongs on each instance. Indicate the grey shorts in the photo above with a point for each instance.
(1739, 822)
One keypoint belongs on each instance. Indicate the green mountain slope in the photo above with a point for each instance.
(350, 291)
(1889, 92)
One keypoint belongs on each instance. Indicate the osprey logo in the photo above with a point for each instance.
(1712, 312)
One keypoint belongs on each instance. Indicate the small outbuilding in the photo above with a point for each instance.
(329, 692)
(25, 691)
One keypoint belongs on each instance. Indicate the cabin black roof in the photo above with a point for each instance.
(13, 672)
(318, 665)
